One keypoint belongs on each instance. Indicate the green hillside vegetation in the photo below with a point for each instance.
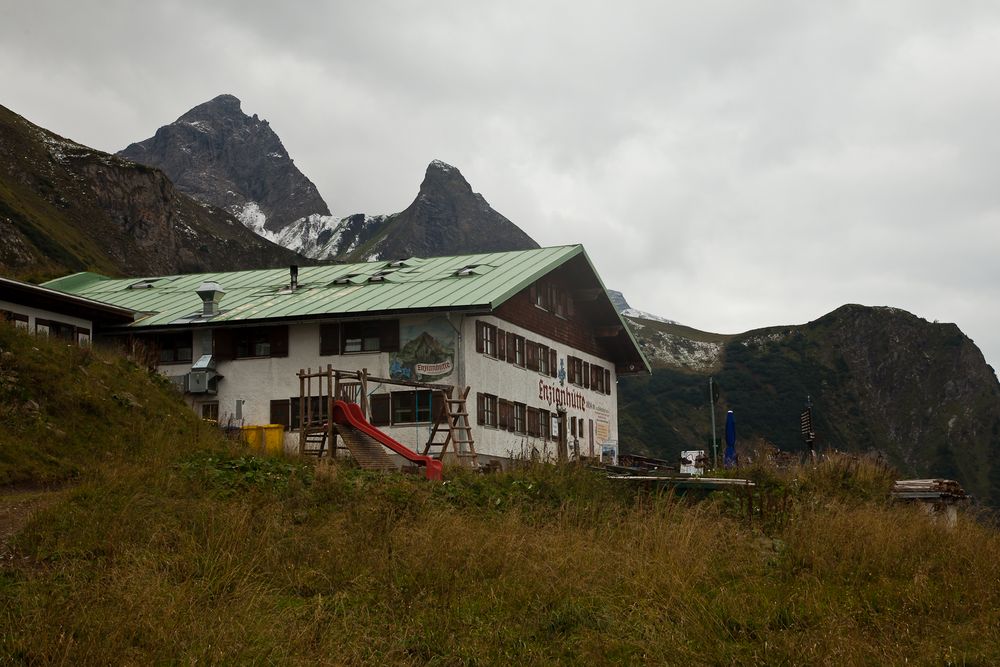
(881, 380)
(171, 544)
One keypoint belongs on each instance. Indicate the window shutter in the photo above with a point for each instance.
(279, 413)
(502, 416)
(379, 406)
(570, 375)
(329, 339)
(480, 408)
(479, 336)
(533, 293)
(389, 336)
(501, 345)
(553, 360)
(607, 382)
(531, 355)
(437, 405)
(223, 346)
(278, 336)
(586, 375)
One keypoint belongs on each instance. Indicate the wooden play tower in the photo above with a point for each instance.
(451, 433)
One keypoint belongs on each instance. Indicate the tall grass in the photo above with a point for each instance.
(541, 566)
(182, 548)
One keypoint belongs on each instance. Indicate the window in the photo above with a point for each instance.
(486, 339)
(486, 413)
(515, 349)
(17, 319)
(174, 347)
(519, 417)
(552, 298)
(411, 407)
(83, 336)
(314, 412)
(545, 423)
(250, 342)
(542, 359)
(359, 337)
(280, 412)
(531, 355)
(210, 411)
(55, 329)
(405, 407)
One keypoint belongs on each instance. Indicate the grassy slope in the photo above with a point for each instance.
(164, 554)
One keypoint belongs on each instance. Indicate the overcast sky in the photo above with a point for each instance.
(730, 165)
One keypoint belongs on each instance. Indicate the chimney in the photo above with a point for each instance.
(293, 271)
(211, 294)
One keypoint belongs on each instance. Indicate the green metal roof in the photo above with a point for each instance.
(460, 282)
(332, 289)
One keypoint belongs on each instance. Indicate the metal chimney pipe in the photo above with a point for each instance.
(293, 270)
(211, 294)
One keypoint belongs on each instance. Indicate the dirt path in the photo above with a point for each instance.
(16, 507)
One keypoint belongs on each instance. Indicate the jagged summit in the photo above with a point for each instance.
(218, 154)
(221, 105)
(445, 218)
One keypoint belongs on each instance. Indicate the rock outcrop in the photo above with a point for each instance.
(220, 155)
(66, 207)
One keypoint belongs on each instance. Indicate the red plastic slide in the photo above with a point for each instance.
(351, 415)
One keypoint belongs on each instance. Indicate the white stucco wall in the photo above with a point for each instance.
(505, 380)
(255, 382)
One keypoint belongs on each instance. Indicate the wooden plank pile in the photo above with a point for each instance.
(928, 489)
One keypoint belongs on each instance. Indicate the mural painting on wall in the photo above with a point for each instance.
(426, 352)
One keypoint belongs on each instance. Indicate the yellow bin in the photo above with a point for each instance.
(273, 438)
(254, 437)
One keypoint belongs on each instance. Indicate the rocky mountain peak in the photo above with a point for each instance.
(219, 155)
(224, 105)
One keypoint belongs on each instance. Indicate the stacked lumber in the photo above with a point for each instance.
(928, 489)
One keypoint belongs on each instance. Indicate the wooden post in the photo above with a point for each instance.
(302, 431)
(363, 399)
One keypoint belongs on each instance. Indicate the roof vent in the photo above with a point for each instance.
(211, 294)
(467, 270)
(293, 274)
(143, 284)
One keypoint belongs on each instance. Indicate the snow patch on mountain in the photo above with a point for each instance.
(643, 315)
(252, 218)
(681, 352)
(310, 235)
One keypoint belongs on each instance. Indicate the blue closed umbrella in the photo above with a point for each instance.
(729, 458)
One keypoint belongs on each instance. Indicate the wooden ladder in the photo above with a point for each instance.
(453, 423)
(315, 441)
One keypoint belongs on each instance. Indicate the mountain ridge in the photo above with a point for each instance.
(67, 207)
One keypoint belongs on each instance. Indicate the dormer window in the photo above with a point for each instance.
(143, 284)
(379, 276)
(345, 280)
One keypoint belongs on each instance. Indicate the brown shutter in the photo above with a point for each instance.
(279, 413)
(223, 346)
(512, 348)
(553, 362)
(379, 406)
(501, 346)
(278, 337)
(329, 339)
(570, 375)
(480, 327)
(437, 405)
(607, 382)
(389, 336)
(586, 375)
(531, 355)
(480, 408)
(533, 293)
